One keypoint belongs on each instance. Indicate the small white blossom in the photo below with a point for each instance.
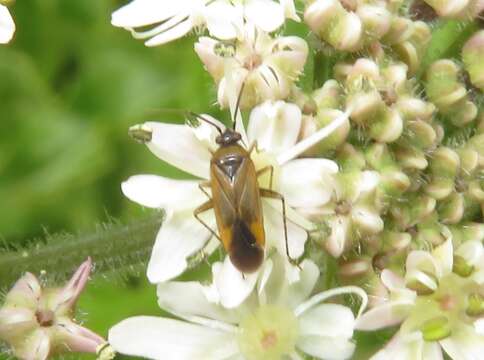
(351, 212)
(267, 66)
(439, 304)
(38, 323)
(172, 19)
(275, 127)
(7, 26)
(279, 319)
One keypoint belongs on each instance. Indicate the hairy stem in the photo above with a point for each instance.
(112, 247)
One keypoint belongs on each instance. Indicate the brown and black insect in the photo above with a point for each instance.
(236, 200)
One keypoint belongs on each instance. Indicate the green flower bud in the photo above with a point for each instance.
(411, 51)
(341, 29)
(472, 55)
(451, 210)
(448, 93)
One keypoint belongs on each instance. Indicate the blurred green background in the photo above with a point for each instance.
(70, 86)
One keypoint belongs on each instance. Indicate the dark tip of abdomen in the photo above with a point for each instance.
(245, 253)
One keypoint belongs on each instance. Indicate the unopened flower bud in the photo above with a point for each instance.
(329, 96)
(445, 162)
(329, 19)
(448, 93)
(451, 210)
(376, 21)
(400, 30)
(411, 50)
(412, 108)
(421, 134)
(472, 55)
(387, 126)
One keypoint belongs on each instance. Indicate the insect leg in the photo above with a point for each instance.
(201, 187)
(265, 169)
(202, 208)
(275, 195)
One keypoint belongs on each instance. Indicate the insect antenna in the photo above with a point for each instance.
(203, 118)
(237, 104)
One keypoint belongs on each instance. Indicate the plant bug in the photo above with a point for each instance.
(236, 199)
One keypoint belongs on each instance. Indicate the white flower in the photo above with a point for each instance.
(351, 212)
(275, 126)
(439, 304)
(172, 19)
(279, 320)
(37, 322)
(266, 66)
(7, 26)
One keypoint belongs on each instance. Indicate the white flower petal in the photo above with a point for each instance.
(384, 315)
(180, 236)
(300, 290)
(327, 320)
(464, 343)
(444, 254)
(159, 192)
(178, 146)
(147, 12)
(266, 14)
(159, 338)
(26, 292)
(233, 287)
(368, 181)
(7, 26)
(367, 221)
(472, 251)
(420, 260)
(173, 33)
(224, 20)
(274, 125)
(307, 182)
(35, 346)
(188, 298)
(274, 229)
(337, 241)
(15, 321)
(411, 346)
(327, 348)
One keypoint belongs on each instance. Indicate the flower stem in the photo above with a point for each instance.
(119, 247)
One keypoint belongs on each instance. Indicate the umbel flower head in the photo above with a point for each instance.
(7, 26)
(267, 66)
(278, 320)
(439, 303)
(224, 19)
(274, 126)
(38, 322)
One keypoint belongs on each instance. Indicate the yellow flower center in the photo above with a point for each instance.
(269, 333)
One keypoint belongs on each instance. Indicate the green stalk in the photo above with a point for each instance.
(113, 247)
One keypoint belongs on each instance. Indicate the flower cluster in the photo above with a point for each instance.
(380, 164)
(366, 189)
